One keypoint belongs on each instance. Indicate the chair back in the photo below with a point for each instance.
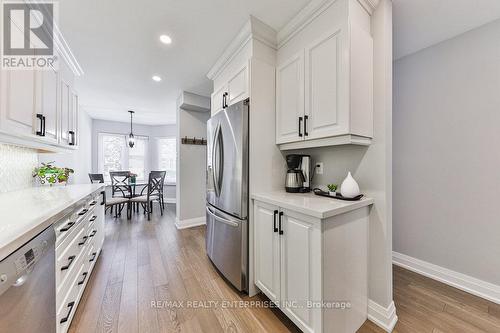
(155, 183)
(96, 178)
(120, 183)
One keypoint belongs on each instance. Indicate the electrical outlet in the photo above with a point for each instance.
(319, 168)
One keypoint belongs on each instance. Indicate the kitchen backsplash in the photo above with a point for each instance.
(16, 167)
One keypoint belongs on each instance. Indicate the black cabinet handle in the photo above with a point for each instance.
(305, 125)
(93, 233)
(84, 275)
(70, 261)
(41, 132)
(103, 198)
(93, 203)
(224, 100)
(275, 228)
(281, 230)
(67, 227)
(71, 138)
(84, 240)
(83, 212)
(93, 256)
(70, 306)
(93, 218)
(300, 126)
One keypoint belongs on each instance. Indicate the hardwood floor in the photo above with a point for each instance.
(146, 264)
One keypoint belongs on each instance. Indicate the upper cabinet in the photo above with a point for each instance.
(324, 79)
(39, 108)
(232, 89)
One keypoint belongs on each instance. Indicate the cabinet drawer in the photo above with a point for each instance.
(67, 259)
(67, 307)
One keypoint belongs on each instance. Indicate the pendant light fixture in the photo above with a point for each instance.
(131, 139)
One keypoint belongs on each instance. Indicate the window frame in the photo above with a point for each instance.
(157, 151)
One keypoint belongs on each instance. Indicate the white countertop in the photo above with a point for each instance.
(311, 204)
(25, 213)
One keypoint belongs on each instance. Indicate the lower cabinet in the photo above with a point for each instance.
(315, 270)
(79, 240)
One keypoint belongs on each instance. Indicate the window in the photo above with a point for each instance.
(114, 154)
(167, 157)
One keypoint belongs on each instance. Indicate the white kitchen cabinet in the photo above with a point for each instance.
(49, 103)
(73, 123)
(64, 135)
(336, 104)
(218, 99)
(317, 250)
(18, 110)
(267, 250)
(290, 100)
(233, 90)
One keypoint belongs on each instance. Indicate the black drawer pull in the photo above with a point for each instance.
(305, 125)
(67, 227)
(93, 203)
(93, 256)
(83, 212)
(275, 228)
(281, 230)
(300, 126)
(84, 240)
(103, 198)
(92, 219)
(84, 275)
(93, 233)
(70, 306)
(70, 261)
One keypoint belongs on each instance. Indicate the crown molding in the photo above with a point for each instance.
(312, 10)
(253, 29)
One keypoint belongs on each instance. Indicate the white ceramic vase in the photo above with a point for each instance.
(349, 188)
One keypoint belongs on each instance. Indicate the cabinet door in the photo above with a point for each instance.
(301, 269)
(18, 110)
(326, 113)
(217, 100)
(73, 121)
(49, 103)
(266, 250)
(65, 113)
(237, 86)
(290, 100)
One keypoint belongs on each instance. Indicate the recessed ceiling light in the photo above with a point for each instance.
(156, 78)
(165, 39)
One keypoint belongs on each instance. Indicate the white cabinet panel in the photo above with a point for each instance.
(267, 251)
(217, 100)
(237, 86)
(323, 93)
(49, 103)
(18, 102)
(297, 268)
(73, 119)
(65, 113)
(290, 100)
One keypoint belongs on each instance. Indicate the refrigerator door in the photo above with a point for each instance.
(227, 246)
(227, 160)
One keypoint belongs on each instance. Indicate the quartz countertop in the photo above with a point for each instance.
(25, 213)
(311, 204)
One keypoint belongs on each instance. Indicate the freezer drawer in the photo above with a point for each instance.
(227, 246)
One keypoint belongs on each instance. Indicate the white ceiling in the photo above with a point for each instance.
(116, 43)
(422, 23)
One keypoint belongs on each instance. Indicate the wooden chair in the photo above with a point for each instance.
(121, 191)
(154, 193)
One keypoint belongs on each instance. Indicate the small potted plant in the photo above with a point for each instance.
(133, 178)
(332, 189)
(50, 174)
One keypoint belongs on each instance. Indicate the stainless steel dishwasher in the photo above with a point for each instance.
(27, 287)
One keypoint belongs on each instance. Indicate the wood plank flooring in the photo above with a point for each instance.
(151, 261)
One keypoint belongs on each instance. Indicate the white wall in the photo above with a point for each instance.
(79, 160)
(446, 159)
(105, 126)
(191, 165)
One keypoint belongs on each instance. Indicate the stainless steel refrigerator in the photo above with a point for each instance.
(227, 193)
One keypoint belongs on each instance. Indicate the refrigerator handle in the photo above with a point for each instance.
(218, 218)
(214, 160)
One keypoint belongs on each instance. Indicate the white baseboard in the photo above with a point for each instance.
(385, 318)
(189, 223)
(469, 284)
(170, 200)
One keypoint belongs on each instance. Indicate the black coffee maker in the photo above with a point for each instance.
(298, 173)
